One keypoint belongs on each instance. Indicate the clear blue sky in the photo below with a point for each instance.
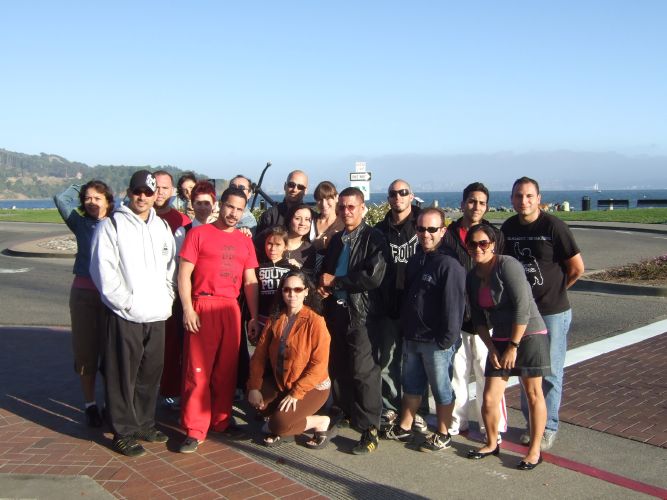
(224, 86)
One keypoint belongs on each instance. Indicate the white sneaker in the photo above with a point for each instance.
(548, 440)
(525, 438)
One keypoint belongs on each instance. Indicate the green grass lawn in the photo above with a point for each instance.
(31, 215)
(633, 215)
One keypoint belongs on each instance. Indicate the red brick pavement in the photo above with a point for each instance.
(623, 392)
(41, 432)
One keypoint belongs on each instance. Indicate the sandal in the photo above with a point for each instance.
(321, 438)
(272, 440)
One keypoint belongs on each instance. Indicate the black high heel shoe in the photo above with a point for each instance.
(527, 465)
(478, 455)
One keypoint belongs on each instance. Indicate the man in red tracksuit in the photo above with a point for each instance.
(214, 261)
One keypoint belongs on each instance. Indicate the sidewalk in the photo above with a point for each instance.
(42, 434)
(623, 393)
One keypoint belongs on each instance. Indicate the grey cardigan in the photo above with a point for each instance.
(512, 298)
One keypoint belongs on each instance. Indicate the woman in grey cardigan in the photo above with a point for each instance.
(501, 298)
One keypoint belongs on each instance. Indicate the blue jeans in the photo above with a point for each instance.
(557, 327)
(426, 362)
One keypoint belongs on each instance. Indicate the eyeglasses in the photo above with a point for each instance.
(430, 229)
(481, 244)
(393, 193)
(294, 185)
(295, 289)
(349, 208)
(239, 186)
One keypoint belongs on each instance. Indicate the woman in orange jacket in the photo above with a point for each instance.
(296, 342)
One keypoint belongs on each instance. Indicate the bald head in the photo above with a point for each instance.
(296, 186)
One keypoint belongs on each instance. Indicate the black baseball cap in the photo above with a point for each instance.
(143, 179)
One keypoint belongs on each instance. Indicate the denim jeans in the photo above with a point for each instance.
(426, 362)
(557, 327)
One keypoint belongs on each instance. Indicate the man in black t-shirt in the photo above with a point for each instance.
(552, 261)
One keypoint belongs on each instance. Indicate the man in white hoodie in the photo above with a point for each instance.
(133, 266)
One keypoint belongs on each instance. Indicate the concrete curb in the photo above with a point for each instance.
(20, 253)
(586, 285)
(33, 249)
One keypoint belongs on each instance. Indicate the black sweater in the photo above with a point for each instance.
(434, 300)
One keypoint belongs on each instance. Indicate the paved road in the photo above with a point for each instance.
(39, 295)
(45, 286)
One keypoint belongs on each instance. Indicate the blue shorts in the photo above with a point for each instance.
(426, 362)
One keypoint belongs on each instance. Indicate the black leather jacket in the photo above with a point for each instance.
(369, 255)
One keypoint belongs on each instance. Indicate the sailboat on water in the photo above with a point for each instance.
(596, 188)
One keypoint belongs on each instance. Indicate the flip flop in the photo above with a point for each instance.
(321, 438)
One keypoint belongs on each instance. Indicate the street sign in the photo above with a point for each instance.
(364, 187)
(360, 176)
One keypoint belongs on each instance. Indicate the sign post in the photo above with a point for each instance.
(361, 179)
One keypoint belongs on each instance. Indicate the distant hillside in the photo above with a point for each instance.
(25, 176)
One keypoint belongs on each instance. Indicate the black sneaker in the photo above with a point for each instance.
(396, 433)
(368, 443)
(419, 424)
(436, 442)
(151, 435)
(129, 447)
(93, 418)
(189, 445)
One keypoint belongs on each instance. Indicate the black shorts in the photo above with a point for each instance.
(532, 358)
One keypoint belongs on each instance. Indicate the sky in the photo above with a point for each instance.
(223, 87)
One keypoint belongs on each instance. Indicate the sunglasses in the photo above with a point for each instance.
(349, 208)
(239, 186)
(144, 191)
(295, 289)
(294, 185)
(481, 244)
(430, 229)
(393, 193)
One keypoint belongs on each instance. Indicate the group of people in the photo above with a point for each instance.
(352, 324)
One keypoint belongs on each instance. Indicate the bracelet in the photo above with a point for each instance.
(515, 344)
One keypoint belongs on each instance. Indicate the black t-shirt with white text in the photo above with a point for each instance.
(542, 247)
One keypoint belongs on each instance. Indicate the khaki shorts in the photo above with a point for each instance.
(87, 314)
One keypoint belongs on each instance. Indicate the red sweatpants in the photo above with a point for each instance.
(210, 359)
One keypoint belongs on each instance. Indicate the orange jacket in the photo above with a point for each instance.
(306, 363)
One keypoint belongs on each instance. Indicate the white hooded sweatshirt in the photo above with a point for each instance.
(133, 266)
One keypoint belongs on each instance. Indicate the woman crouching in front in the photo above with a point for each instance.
(501, 298)
(296, 342)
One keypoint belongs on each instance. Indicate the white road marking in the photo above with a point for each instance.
(660, 237)
(585, 352)
(623, 232)
(14, 271)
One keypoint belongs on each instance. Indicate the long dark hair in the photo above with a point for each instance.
(290, 215)
(187, 176)
(102, 188)
(311, 300)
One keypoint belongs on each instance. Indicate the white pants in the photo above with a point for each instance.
(471, 358)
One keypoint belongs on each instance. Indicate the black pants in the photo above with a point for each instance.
(133, 361)
(357, 387)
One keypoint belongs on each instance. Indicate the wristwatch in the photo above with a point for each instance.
(515, 344)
